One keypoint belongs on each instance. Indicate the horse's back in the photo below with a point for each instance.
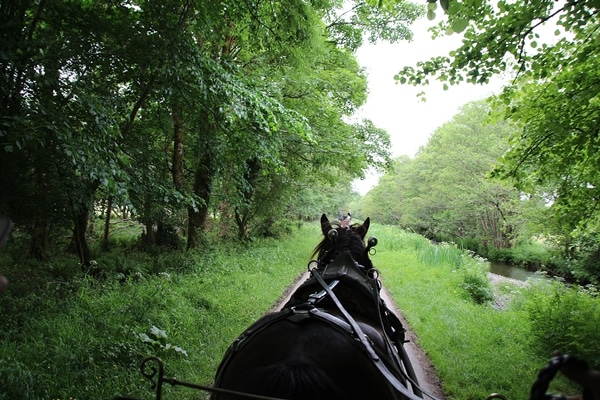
(302, 358)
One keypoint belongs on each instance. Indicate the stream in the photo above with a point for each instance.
(510, 271)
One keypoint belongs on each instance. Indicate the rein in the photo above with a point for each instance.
(390, 333)
(366, 344)
(355, 327)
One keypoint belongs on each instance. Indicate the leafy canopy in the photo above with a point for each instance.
(551, 50)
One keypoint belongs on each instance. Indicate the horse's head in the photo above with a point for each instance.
(338, 240)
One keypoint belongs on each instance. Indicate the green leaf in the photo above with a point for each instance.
(430, 15)
(459, 25)
(453, 8)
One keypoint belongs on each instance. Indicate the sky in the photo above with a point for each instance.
(396, 108)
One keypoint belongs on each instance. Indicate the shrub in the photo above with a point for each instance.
(564, 318)
(474, 272)
(477, 287)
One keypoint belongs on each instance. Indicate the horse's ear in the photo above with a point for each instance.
(364, 228)
(325, 225)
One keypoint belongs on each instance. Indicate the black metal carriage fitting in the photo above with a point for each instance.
(372, 242)
(333, 234)
(151, 372)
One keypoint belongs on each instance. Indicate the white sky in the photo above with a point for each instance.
(396, 108)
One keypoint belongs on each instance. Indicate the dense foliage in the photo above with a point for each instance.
(550, 50)
(445, 192)
(177, 110)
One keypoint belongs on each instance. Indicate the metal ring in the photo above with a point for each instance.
(311, 263)
(373, 273)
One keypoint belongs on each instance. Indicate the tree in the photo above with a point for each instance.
(152, 105)
(320, 80)
(446, 193)
(385, 202)
(58, 127)
(553, 96)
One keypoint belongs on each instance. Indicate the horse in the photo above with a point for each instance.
(334, 339)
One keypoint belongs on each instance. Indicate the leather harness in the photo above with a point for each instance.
(363, 290)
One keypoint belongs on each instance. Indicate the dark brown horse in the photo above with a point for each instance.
(334, 339)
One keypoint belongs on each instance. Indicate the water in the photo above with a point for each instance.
(510, 271)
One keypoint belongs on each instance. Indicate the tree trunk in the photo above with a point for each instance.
(202, 189)
(105, 245)
(242, 214)
(148, 237)
(178, 141)
(81, 215)
(242, 224)
(40, 243)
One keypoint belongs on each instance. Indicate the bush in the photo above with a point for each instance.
(564, 318)
(470, 244)
(474, 272)
(532, 255)
(274, 228)
(478, 288)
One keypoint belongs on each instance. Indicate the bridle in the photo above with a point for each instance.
(327, 256)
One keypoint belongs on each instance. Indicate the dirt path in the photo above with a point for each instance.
(428, 380)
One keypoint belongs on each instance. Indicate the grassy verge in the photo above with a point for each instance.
(475, 349)
(83, 338)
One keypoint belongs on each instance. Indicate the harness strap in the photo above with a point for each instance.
(355, 327)
(385, 371)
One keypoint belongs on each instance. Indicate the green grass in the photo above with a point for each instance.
(68, 336)
(86, 339)
(476, 350)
